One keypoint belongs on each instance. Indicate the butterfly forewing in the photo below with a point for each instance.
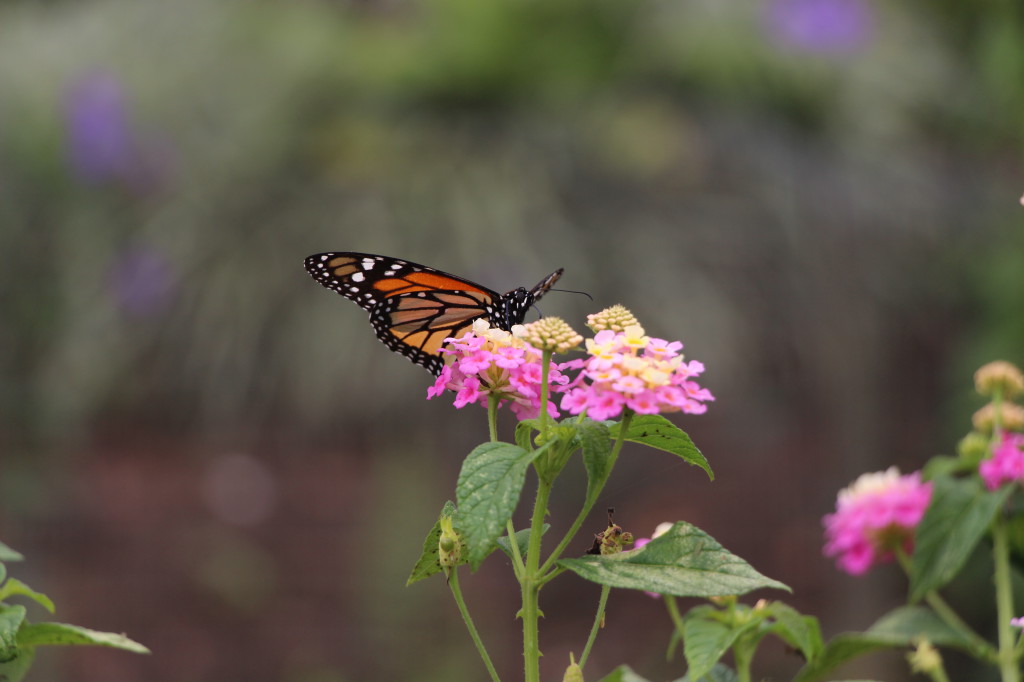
(414, 308)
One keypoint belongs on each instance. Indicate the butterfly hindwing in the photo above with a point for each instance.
(416, 325)
(414, 308)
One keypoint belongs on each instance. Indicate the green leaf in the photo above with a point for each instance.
(623, 674)
(909, 623)
(706, 640)
(8, 554)
(945, 465)
(522, 540)
(657, 432)
(799, 631)
(524, 433)
(839, 650)
(428, 563)
(685, 562)
(487, 493)
(11, 618)
(719, 673)
(14, 586)
(899, 628)
(595, 439)
(14, 668)
(958, 517)
(37, 634)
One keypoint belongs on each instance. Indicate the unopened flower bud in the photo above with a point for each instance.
(574, 673)
(973, 447)
(552, 333)
(449, 546)
(925, 658)
(999, 377)
(615, 318)
(1011, 418)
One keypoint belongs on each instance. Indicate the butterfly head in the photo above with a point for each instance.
(516, 303)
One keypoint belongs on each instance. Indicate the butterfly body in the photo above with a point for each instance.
(414, 308)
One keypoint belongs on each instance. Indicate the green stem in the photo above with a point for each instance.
(997, 412)
(545, 369)
(598, 621)
(453, 583)
(743, 655)
(982, 648)
(550, 575)
(1004, 602)
(531, 584)
(492, 416)
(592, 497)
(673, 613)
(517, 559)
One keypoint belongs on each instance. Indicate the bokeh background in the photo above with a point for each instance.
(204, 449)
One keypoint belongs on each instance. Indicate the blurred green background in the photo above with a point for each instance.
(204, 449)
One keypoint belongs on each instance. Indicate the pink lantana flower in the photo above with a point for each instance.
(875, 515)
(1006, 463)
(488, 362)
(628, 369)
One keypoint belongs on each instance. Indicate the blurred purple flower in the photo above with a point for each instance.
(141, 281)
(828, 27)
(100, 144)
(103, 145)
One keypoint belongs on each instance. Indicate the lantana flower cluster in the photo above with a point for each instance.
(628, 369)
(875, 515)
(1006, 464)
(493, 362)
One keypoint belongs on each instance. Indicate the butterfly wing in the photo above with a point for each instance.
(413, 308)
(545, 284)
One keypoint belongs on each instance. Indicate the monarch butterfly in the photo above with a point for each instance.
(413, 308)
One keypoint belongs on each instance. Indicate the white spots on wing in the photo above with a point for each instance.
(358, 277)
(368, 263)
(323, 257)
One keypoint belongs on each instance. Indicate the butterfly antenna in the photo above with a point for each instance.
(570, 291)
(564, 291)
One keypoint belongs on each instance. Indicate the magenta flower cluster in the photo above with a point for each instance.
(492, 362)
(626, 370)
(875, 515)
(629, 369)
(1006, 463)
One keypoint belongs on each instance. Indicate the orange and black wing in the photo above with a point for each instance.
(413, 308)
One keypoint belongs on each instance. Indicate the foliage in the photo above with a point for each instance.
(877, 518)
(19, 637)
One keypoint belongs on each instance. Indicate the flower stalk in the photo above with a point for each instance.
(598, 624)
(1007, 656)
(453, 584)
